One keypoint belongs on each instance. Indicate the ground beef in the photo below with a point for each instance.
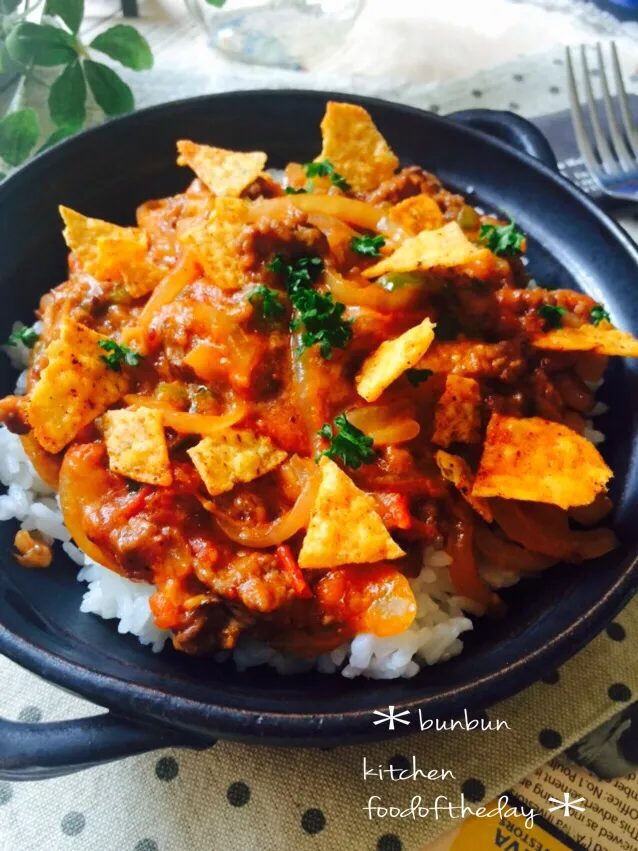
(290, 235)
(505, 361)
(413, 180)
(214, 626)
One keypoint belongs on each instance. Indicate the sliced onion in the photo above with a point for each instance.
(275, 533)
(184, 422)
(361, 293)
(347, 209)
(79, 486)
(385, 424)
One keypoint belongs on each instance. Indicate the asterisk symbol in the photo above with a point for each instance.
(391, 716)
(566, 805)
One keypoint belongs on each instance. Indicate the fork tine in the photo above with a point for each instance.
(584, 146)
(622, 151)
(628, 121)
(604, 151)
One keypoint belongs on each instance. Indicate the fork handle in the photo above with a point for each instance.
(507, 127)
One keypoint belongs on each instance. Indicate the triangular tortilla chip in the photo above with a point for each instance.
(215, 244)
(539, 461)
(225, 173)
(344, 526)
(74, 388)
(109, 252)
(415, 214)
(234, 456)
(82, 234)
(457, 418)
(445, 248)
(354, 146)
(136, 445)
(456, 470)
(392, 358)
(601, 339)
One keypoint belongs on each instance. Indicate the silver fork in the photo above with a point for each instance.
(612, 162)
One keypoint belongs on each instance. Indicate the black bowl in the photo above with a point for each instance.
(169, 698)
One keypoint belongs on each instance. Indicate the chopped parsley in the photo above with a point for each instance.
(290, 190)
(504, 240)
(324, 168)
(599, 314)
(118, 354)
(320, 317)
(267, 300)
(418, 376)
(551, 314)
(347, 442)
(27, 336)
(368, 246)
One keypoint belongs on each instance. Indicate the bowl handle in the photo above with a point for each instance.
(39, 751)
(507, 127)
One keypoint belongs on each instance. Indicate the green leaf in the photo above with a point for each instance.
(217, 3)
(41, 44)
(70, 11)
(19, 132)
(67, 97)
(57, 136)
(124, 44)
(111, 94)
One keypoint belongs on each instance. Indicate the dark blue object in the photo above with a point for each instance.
(157, 700)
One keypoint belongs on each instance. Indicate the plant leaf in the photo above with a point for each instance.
(57, 136)
(19, 131)
(111, 93)
(217, 3)
(70, 11)
(67, 97)
(41, 44)
(124, 44)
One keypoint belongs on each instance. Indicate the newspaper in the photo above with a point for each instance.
(585, 800)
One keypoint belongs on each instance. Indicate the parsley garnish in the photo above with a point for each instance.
(27, 336)
(290, 190)
(367, 245)
(319, 315)
(598, 314)
(268, 301)
(324, 168)
(418, 376)
(119, 354)
(347, 442)
(504, 240)
(551, 315)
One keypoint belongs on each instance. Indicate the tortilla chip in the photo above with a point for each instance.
(456, 470)
(457, 418)
(74, 388)
(121, 260)
(216, 244)
(344, 526)
(539, 461)
(418, 213)
(392, 358)
(234, 456)
(354, 146)
(601, 339)
(225, 173)
(112, 253)
(82, 235)
(445, 248)
(136, 444)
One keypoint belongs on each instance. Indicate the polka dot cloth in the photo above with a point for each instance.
(256, 799)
